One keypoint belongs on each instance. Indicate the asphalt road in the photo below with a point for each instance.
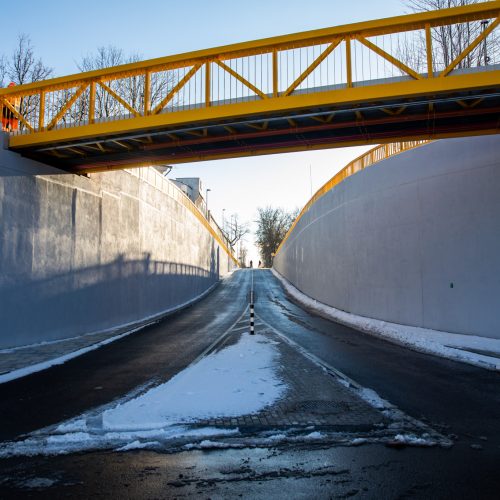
(456, 399)
(151, 355)
(462, 397)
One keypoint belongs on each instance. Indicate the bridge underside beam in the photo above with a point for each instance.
(322, 126)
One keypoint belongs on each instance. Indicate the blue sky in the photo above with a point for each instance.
(65, 31)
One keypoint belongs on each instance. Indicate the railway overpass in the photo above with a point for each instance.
(340, 86)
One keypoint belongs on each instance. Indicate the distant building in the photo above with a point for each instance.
(193, 189)
(163, 169)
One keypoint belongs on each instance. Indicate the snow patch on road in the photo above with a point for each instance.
(447, 345)
(372, 398)
(240, 379)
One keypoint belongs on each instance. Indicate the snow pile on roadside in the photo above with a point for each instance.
(240, 379)
(447, 345)
(295, 436)
(372, 398)
(412, 440)
(73, 442)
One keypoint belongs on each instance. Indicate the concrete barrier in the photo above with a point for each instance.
(86, 254)
(414, 239)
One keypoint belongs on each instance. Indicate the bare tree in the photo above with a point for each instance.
(242, 256)
(130, 88)
(3, 70)
(272, 226)
(448, 41)
(105, 104)
(24, 67)
(235, 230)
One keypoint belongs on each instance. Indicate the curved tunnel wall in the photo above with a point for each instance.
(414, 240)
(87, 254)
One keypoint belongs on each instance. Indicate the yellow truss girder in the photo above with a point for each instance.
(16, 113)
(272, 102)
(354, 95)
(390, 25)
(67, 106)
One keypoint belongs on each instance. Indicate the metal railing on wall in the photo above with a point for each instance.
(158, 181)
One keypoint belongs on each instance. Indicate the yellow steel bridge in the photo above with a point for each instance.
(371, 82)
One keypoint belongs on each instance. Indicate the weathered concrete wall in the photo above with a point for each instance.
(80, 255)
(414, 240)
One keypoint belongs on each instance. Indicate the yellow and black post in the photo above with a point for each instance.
(252, 312)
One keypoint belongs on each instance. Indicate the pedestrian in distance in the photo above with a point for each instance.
(251, 263)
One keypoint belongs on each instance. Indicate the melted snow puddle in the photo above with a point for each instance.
(240, 379)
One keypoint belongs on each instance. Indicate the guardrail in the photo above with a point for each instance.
(367, 159)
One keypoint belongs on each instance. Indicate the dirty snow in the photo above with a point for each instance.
(38, 483)
(372, 398)
(139, 445)
(238, 380)
(412, 440)
(295, 436)
(447, 345)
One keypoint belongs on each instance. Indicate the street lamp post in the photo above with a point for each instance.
(484, 25)
(206, 199)
(232, 226)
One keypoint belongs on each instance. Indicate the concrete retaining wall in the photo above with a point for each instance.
(414, 240)
(80, 255)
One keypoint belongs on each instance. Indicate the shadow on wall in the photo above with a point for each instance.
(98, 298)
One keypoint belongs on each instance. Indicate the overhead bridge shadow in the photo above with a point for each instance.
(98, 297)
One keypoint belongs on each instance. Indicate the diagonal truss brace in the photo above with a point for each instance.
(19, 116)
(176, 89)
(122, 101)
(243, 80)
(388, 57)
(68, 105)
(471, 47)
(312, 67)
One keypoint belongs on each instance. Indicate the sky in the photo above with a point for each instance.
(65, 31)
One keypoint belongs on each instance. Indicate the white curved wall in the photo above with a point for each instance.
(81, 255)
(414, 239)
